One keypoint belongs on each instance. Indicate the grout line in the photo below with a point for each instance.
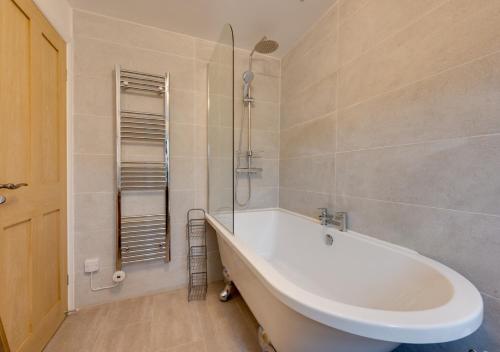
(417, 205)
(310, 30)
(314, 119)
(355, 11)
(134, 47)
(426, 78)
(433, 141)
(491, 296)
(396, 31)
(308, 156)
(305, 190)
(336, 126)
(294, 95)
(92, 154)
(307, 52)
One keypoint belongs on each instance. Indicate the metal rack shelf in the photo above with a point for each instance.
(197, 254)
(142, 238)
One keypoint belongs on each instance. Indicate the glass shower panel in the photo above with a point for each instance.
(220, 130)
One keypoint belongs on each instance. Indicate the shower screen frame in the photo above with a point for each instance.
(220, 130)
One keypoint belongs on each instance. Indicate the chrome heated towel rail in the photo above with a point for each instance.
(142, 237)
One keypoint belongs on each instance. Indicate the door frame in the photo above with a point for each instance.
(60, 20)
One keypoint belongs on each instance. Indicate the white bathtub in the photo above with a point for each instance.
(358, 295)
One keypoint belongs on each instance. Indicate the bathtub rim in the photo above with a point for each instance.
(451, 321)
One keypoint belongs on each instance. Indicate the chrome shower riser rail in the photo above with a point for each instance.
(142, 238)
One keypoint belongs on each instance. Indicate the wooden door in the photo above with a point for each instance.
(33, 274)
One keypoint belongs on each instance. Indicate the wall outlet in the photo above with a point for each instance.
(91, 265)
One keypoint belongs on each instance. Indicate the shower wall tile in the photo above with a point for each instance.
(375, 22)
(412, 149)
(313, 102)
(467, 30)
(324, 28)
(468, 242)
(261, 64)
(314, 174)
(316, 137)
(304, 202)
(461, 102)
(262, 197)
(101, 43)
(350, 7)
(264, 88)
(460, 174)
(264, 116)
(315, 64)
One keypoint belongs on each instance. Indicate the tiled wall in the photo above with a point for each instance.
(265, 128)
(100, 43)
(390, 111)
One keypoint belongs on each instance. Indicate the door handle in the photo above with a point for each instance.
(12, 185)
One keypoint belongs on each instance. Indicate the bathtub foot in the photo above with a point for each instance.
(225, 294)
(264, 342)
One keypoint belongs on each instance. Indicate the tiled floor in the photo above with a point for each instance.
(161, 323)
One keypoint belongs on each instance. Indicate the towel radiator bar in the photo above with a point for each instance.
(142, 237)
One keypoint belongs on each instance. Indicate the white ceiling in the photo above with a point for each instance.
(281, 20)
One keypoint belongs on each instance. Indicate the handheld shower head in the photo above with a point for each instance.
(248, 77)
(247, 80)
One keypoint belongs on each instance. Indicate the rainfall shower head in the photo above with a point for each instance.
(265, 46)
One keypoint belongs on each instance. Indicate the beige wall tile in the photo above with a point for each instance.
(456, 174)
(444, 235)
(182, 173)
(265, 88)
(94, 211)
(325, 27)
(314, 174)
(315, 101)
(94, 95)
(94, 173)
(86, 245)
(376, 21)
(460, 102)
(304, 202)
(466, 32)
(316, 137)
(182, 140)
(93, 134)
(317, 63)
(349, 7)
(138, 36)
(97, 58)
(416, 82)
(182, 107)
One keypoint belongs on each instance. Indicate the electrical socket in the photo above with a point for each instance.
(91, 265)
